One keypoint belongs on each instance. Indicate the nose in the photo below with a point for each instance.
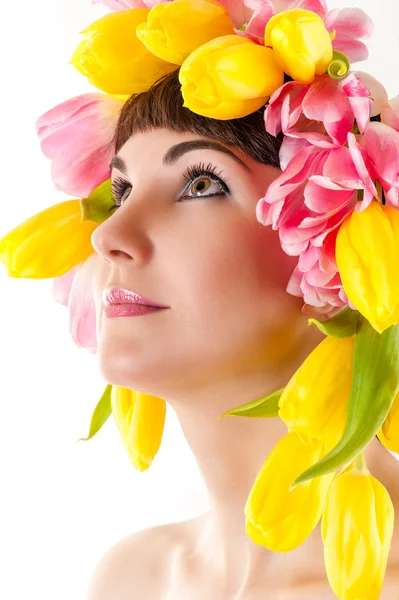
(122, 237)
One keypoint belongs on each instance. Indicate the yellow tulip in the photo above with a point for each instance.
(367, 253)
(140, 419)
(301, 43)
(112, 57)
(175, 29)
(229, 77)
(357, 528)
(48, 244)
(389, 432)
(314, 400)
(276, 517)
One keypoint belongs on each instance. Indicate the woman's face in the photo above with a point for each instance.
(191, 242)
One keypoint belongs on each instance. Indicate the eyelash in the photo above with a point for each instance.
(194, 172)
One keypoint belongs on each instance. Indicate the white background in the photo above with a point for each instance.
(63, 503)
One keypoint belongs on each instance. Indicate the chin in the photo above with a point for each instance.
(149, 375)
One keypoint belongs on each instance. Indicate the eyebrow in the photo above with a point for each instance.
(177, 151)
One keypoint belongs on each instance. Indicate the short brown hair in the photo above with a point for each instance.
(162, 107)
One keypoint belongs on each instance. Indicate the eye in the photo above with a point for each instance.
(119, 188)
(202, 180)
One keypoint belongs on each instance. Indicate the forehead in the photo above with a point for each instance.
(167, 147)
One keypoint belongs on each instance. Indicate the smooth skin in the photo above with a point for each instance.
(232, 334)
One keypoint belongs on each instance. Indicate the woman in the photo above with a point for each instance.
(185, 235)
(195, 176)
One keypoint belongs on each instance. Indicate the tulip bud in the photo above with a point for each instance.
(48, 244)
(276, 517)
(229, 77)
(367, 254)
(175, 29)
(301, 43)
(388, 434)
(314, 400)
(140, 419)
(112, 57)
(357, 528)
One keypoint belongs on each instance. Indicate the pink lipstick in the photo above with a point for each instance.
(120, 302)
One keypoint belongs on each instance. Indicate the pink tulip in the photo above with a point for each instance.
(317, 6)
(352, 25)
(61, 287)
(238, 9)
(82, 311)
(321, 113)
(125, 4)
(76, 136)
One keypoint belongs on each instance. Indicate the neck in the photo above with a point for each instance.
(230, 453)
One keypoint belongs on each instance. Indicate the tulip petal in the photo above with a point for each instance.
(61, 287)
(382, 145)
(351, 25)
(276, 517)
(290, 148)
(121, 4)
(216, 82)
(317, 6)
(82, 311)
(362, 162)
(140, 419)
(98, 56)
(76, 136)
(357, 528)
(360, 100)
(255, 30)
(389, 432)
(240, 12)
(48, 244)
(325, 197)
(173, 30)
(328, 103)
(284, 107)
(314, 400)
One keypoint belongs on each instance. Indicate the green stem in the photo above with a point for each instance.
(360, 463)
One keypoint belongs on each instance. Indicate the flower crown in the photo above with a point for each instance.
(335, 206)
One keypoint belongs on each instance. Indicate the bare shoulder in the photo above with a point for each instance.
(138, 566)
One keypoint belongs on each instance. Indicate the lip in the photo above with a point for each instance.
(131, 309)
(122, 296)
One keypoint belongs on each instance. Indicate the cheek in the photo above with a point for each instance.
(234, 278)
(236, 261)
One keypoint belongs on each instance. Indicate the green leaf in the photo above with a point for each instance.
(97, 207)
(263, 407)
(375, 383)
(100, 414)
(340, 66)
(344, 324)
